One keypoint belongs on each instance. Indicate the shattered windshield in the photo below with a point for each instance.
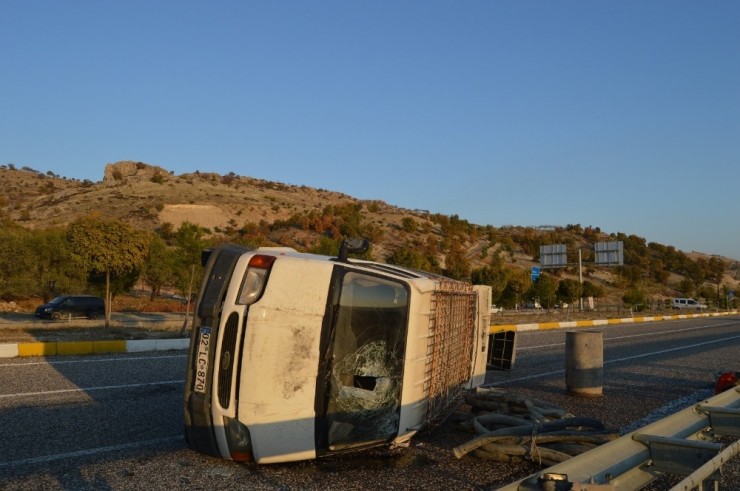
(367, 361)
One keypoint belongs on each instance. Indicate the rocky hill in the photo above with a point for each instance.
(148, 197)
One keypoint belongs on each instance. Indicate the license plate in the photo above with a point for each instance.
(201, 359)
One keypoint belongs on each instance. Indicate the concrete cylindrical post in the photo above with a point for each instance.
(584, 363)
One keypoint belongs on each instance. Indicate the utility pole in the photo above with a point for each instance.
(580, 279)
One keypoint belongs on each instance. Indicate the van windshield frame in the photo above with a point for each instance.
(359, 394)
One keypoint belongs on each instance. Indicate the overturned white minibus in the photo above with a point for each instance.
(296, 356)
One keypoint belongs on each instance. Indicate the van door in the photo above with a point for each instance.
(77, 307)
(364, 363)
(67, 308)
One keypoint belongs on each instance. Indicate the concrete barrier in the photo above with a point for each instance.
(584, 363)
(494, 328)
(94, 347)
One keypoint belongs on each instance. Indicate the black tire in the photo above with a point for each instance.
(56, 315)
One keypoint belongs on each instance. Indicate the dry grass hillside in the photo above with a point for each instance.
(149, 196)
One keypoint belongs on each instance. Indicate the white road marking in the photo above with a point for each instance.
(89, 389)
(90, 451)
(631, 336)
(88, 360)
(616, 360)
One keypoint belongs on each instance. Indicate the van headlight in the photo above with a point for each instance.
(238, 440)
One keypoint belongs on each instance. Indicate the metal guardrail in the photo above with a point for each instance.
(678, 444)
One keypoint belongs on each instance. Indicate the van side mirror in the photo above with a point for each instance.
(204, 255)
(352, 246)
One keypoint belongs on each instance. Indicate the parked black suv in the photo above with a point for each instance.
(70, 306)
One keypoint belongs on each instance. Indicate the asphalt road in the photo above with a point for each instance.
(115, 422)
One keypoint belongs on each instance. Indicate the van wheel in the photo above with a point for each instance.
(92, 315)
(56, 315)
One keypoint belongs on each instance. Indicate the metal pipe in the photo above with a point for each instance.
(696, 479)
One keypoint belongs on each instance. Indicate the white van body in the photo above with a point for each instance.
(687, 303)
(327, 356)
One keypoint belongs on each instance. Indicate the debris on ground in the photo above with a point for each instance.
(725, 380)
(514, 429)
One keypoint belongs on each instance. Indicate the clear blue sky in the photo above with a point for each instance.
(619, 114)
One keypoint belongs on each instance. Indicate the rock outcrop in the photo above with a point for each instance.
(123, 170)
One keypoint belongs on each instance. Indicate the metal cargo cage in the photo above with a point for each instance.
(450, 348)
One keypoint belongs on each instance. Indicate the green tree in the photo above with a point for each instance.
(110, 248)
(569, 290)
(16, 262)
(658, 272)
(167, 232)
(408, 256)
(119, 283)
(635, 297)
(190, 242)
(494, 276)
(708, 293)
(545, 289)
(516, 286)
(457, 265)
(408, 224)
(696, 273)
(686, 287)
(326, 246)
(716, 269)
(160, 266)
(592, 290)
(54, 268)
(37, 263)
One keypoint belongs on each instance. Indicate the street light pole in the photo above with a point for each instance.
(580, 279)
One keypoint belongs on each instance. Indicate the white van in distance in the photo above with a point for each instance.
(295, 356)
(688, 303)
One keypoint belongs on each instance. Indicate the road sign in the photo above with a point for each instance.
(535, 273)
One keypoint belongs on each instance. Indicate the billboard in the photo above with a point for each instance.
(553, 256)
(609, 253)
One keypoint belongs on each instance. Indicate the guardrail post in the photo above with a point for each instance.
(584, 363)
